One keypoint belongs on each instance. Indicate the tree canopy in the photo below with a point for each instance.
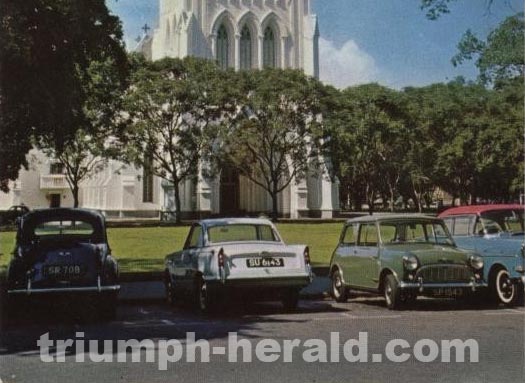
(273, 139)
(48, 50)
(501, 56)
(436, 8)
(174, 108)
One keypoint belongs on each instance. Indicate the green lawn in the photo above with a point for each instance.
(144, 249)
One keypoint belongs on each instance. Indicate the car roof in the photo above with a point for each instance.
(478, 209)
(392, 217)
(62, 212)
(235, 221)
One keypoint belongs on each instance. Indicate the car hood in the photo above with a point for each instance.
(500, 245)
(431, 254)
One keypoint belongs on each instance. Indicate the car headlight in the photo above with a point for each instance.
(410, 262)
(476, 262)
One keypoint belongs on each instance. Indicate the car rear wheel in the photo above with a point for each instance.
(170, 290)
(107, 307)
(339, 290)
(290, 299)
(203, 301)
(392, 293)
(503, 289)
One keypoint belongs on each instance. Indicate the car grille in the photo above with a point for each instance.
(444, 273)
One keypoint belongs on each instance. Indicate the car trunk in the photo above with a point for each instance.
(64, 263)
(249, 260)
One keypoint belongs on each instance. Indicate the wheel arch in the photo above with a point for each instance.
(382, 277)
(333, 269)
(494, 268)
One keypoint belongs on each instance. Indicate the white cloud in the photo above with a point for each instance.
(347, 65)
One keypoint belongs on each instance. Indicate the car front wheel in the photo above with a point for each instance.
(392, 293)
(503, 289)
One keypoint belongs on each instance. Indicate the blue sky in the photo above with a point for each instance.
(385, 41)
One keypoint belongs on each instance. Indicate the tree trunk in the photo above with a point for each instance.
(370, 199)
(75, 191)
(176, 192)
(275, 204)
(417, 200)
(391, 198)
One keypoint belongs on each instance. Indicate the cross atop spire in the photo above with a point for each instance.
(146, 29)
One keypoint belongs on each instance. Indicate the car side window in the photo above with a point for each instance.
(450, 224)
(368, 235)
(462, 226)
(349, 236)
(193, 240)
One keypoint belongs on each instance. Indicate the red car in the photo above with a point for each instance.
(495, 232)
(488, 219)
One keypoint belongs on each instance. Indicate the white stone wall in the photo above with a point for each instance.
(27, 189)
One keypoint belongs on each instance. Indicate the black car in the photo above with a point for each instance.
(10, 215)
(63, 252)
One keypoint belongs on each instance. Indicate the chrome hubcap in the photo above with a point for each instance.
(388, 294)
(505, 287)
(202, 297)
(338, 284)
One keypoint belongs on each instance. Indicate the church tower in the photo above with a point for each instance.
(243, 34)
(238, 33)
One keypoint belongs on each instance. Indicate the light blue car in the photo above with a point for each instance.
(496, 232)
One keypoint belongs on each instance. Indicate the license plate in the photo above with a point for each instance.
(265, 262)
(63, 271)
(448, 292)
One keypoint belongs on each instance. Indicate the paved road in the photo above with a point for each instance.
(499, 332)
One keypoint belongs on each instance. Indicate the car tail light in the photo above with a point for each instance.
(307, 255)
(221, 258)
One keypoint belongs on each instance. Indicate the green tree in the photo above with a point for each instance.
(501, 56)
(467, 139)
(84, 156)
(47, 48)
(174, 108)
(437, 8)
(368, 140)
(499, 148)
(273, 138)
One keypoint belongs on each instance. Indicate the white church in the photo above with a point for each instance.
(242, 34)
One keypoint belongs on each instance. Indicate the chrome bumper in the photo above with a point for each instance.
(421, 285)
(93, 289)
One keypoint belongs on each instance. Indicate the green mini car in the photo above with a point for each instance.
(401, 257)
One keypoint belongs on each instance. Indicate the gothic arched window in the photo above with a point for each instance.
(223, 47)
(269, 55)
(246, 48)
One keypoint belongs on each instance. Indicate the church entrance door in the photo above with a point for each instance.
(230, 191)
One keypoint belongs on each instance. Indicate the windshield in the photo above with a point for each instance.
(415, 232)
(499, 221)
(53, 229)
(241, 233)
